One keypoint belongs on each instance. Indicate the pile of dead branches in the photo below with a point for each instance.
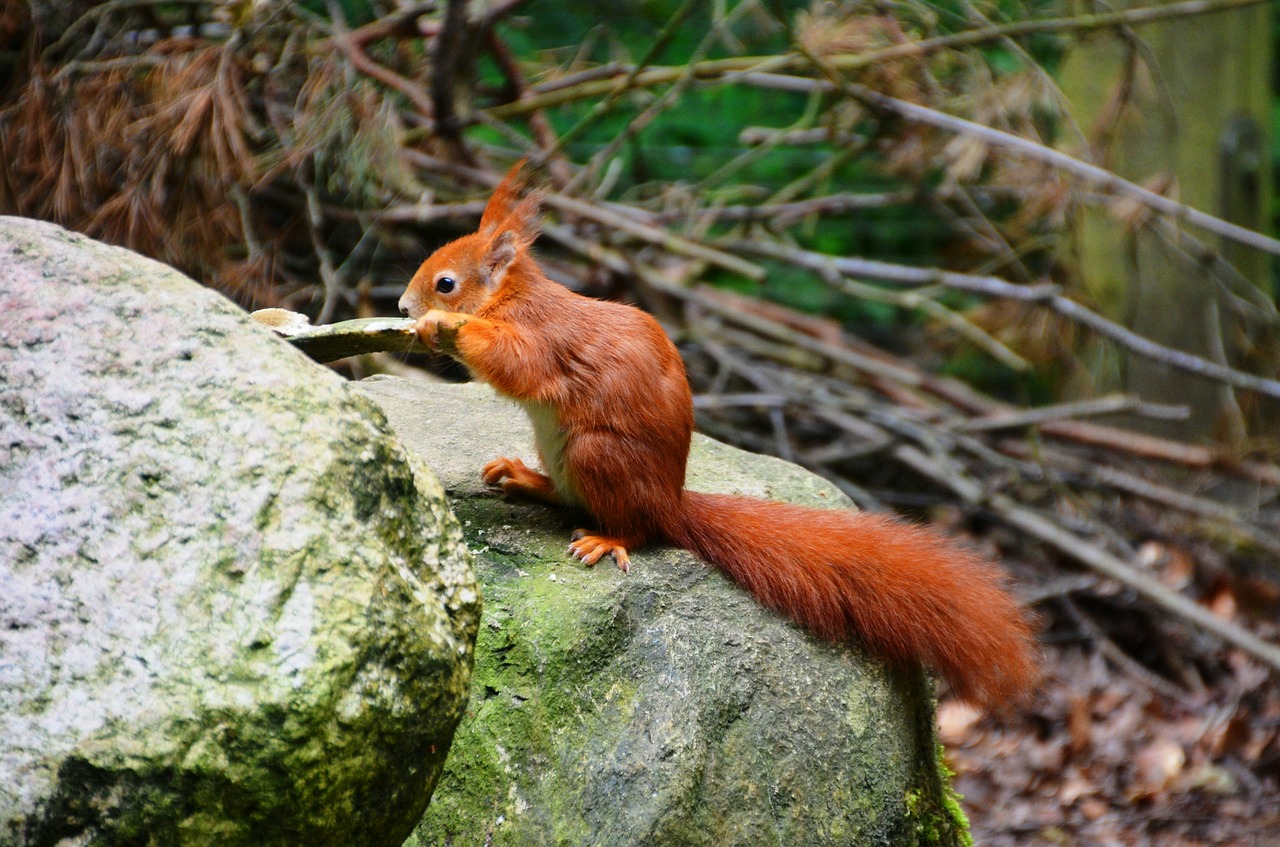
(290, 156)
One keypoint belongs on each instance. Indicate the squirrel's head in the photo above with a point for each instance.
(464, 274)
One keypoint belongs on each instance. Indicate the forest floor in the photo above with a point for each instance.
(1108, 756)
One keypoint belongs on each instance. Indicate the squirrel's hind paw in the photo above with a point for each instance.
(590, 549)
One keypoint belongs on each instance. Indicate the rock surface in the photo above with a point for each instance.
(234, 610)
(663, 707)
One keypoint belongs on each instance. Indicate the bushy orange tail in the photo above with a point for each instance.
(908, 593)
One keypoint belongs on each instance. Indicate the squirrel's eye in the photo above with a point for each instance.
(445, 284)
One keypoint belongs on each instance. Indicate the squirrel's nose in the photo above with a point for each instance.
(404, 308)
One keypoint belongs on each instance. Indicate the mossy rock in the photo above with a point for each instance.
(235, 610)
(663, 706)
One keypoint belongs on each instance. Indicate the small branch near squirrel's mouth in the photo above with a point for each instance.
(330, 342)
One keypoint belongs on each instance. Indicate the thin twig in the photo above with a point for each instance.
(713, 401)
(603, 107)
(331, 342)
(1101, 177)
(1048, 295)
(738, 65)
(1109, 405)
(103, 10)
(401, 22)
(918, 300)
(328, 270)
(444, 67)
(782, 215)
(600, 214)
(1112, 651)
(1102, 562)
(543, 133)
(362, 63)
(1231, 518)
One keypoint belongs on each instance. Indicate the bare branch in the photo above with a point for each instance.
(587, 86)
(1102, 562)
(1109, 405)
(331, 342)
(1100, 177)
(1046, 294)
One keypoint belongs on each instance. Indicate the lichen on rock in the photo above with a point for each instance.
(235, 610)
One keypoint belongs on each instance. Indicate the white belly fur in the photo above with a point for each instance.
(550, 439)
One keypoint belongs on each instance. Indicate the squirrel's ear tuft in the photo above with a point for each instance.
(525, 218)
(507, 211)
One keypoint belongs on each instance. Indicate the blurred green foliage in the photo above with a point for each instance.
(692, 142)
(696, 137)
(354, 12)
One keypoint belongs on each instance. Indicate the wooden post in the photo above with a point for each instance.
(1196, 121)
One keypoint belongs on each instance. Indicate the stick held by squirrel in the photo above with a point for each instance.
(613, 417)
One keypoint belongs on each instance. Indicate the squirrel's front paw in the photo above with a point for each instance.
(438, 330)
(514, 477)
(499, 469)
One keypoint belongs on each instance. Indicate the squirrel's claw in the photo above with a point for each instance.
(590, 549)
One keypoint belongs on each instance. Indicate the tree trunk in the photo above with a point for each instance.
(1186, 106)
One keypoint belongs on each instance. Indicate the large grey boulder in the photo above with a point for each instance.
(233, 609)
(660, 707)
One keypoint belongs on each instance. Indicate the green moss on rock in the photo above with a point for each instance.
(662, 706)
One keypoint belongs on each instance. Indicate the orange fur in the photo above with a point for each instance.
(607, 393)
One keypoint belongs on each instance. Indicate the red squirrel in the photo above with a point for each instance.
(612, 415)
